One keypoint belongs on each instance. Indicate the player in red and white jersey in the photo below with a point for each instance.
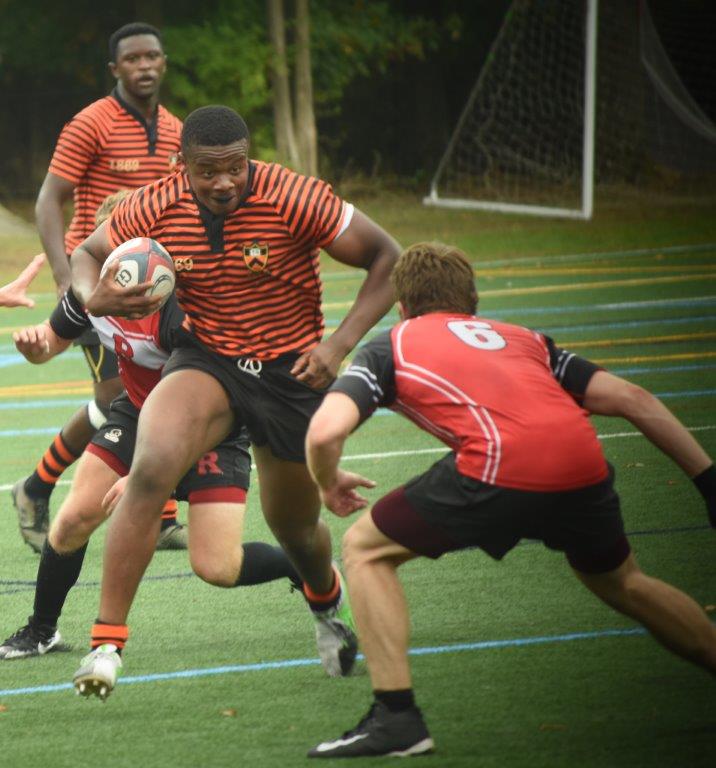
(215, 487)
(525, 462)
(245, 238)
(122, 141)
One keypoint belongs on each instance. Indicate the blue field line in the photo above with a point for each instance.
(60, 402)
(28, 404)
(10, 433)
(17, 359)
(30, 431)
(292, 663)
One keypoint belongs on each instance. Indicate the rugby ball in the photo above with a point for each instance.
(143, 260)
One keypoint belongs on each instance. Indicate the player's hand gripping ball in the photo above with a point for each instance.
(143, 260)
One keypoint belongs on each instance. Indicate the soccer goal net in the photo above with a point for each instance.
(574, 94)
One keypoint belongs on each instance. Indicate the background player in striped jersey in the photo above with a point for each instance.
(215, 487)
(123, 140)
(13, 294)
(247, 237)
(525, 463)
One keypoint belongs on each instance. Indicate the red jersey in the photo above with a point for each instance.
(248, 281)
(109, 146)
(142, 346)
(487, 390)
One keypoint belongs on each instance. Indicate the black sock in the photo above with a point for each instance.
(56, 575)
(263, 562)
(396, 701)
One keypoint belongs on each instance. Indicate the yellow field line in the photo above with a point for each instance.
(48, 388)
(642, 340)
(565, 287)
(540, 271)
(654, 358)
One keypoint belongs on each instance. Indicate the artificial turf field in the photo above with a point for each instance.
(515, 663)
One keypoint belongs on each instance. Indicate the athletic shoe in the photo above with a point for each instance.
(33, 515)
(173, 537)
(336, 636)
(30, 641)
(381, 733)
(98, 672)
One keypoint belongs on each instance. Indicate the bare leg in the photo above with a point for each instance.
(291, 507)
(672, 617)
(176, 427)
(81, 512)
(371, 561)
(215, 535)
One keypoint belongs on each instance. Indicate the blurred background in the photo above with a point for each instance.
(389, 79)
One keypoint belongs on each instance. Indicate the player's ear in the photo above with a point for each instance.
(401, 311)
(180, 160)
(112, 67)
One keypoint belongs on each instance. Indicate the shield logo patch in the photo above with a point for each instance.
(256, 256)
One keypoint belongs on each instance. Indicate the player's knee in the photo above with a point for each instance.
(73, 527)
(151, 477)
(356, 547)
(217, 571)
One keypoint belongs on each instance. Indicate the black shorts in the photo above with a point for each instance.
(442, 510)
(228, 466)
(274, 407)
(102, 363)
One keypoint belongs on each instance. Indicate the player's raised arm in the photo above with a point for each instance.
(13, 294)
(102, 295)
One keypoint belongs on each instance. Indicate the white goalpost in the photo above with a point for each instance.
(572, 93)
(492, 150)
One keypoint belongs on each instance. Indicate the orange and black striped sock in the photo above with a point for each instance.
(54, 462)
(116, 634)
(324, 602)
(169, 514)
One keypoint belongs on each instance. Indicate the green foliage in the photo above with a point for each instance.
(222, 60)
(226, 57)
(362, 38)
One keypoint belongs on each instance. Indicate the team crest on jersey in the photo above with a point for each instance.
(256, 256)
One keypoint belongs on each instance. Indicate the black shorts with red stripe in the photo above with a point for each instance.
(442, 511)
(266, 399)
(221, 475)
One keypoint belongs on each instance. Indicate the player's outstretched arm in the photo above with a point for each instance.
(335, 419)
(14, 294)
(609, 395)
(39, 343)
(367, 246)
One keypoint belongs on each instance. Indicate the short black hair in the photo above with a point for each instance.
(130, 30)
(213, 126)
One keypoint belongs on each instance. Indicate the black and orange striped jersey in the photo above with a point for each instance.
(109, 146)
(249, 281)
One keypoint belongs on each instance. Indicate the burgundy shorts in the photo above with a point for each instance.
(442, 511)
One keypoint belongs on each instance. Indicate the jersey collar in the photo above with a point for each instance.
(151, 128)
